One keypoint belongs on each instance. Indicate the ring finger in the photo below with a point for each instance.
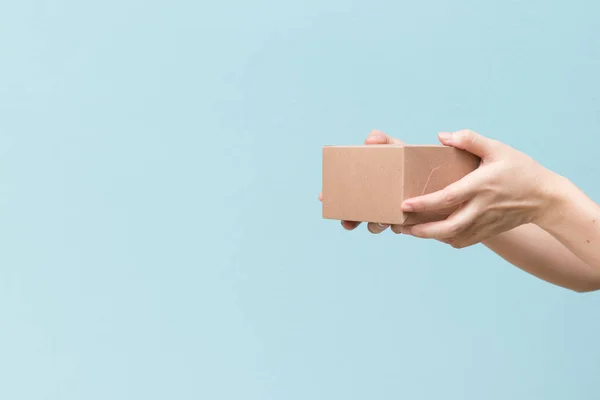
(376, 228)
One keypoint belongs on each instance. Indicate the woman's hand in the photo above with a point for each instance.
(375, 137)
(509, 189)
(501, 203)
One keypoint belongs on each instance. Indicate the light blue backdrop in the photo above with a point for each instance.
(160, 234)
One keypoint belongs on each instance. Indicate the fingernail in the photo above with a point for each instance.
(445, 136)
(407, 207)
(382, 226)
(376, 137)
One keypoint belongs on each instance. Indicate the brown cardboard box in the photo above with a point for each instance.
(368, 183)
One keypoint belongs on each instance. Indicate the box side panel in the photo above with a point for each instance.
(432, 168)
(363, 183)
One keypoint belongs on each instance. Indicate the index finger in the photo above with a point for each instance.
(378, 137)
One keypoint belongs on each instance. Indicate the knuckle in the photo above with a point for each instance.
(450, 196)
(472, 137)
(492, 180)
(469, 137)
(467, 133)
(455, 228)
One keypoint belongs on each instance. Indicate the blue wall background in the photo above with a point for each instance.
(160, 234)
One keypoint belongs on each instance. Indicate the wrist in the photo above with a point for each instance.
(555, 196)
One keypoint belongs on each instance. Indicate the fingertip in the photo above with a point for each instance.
(408, 206)
(371, 228)
(349, 225)
(321, 196)
(376, 139)
(445, 138)
(397, 229)
(376, 228)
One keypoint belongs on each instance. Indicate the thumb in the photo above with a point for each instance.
(470, 141)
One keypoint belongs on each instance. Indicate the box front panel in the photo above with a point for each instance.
(363, 183)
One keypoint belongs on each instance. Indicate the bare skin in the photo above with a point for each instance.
(528, 215)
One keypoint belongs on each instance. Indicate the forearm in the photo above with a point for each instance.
(537, 252)
(563, 246)
(574, 220)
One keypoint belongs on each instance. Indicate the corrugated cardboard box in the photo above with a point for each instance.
(368, 183)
